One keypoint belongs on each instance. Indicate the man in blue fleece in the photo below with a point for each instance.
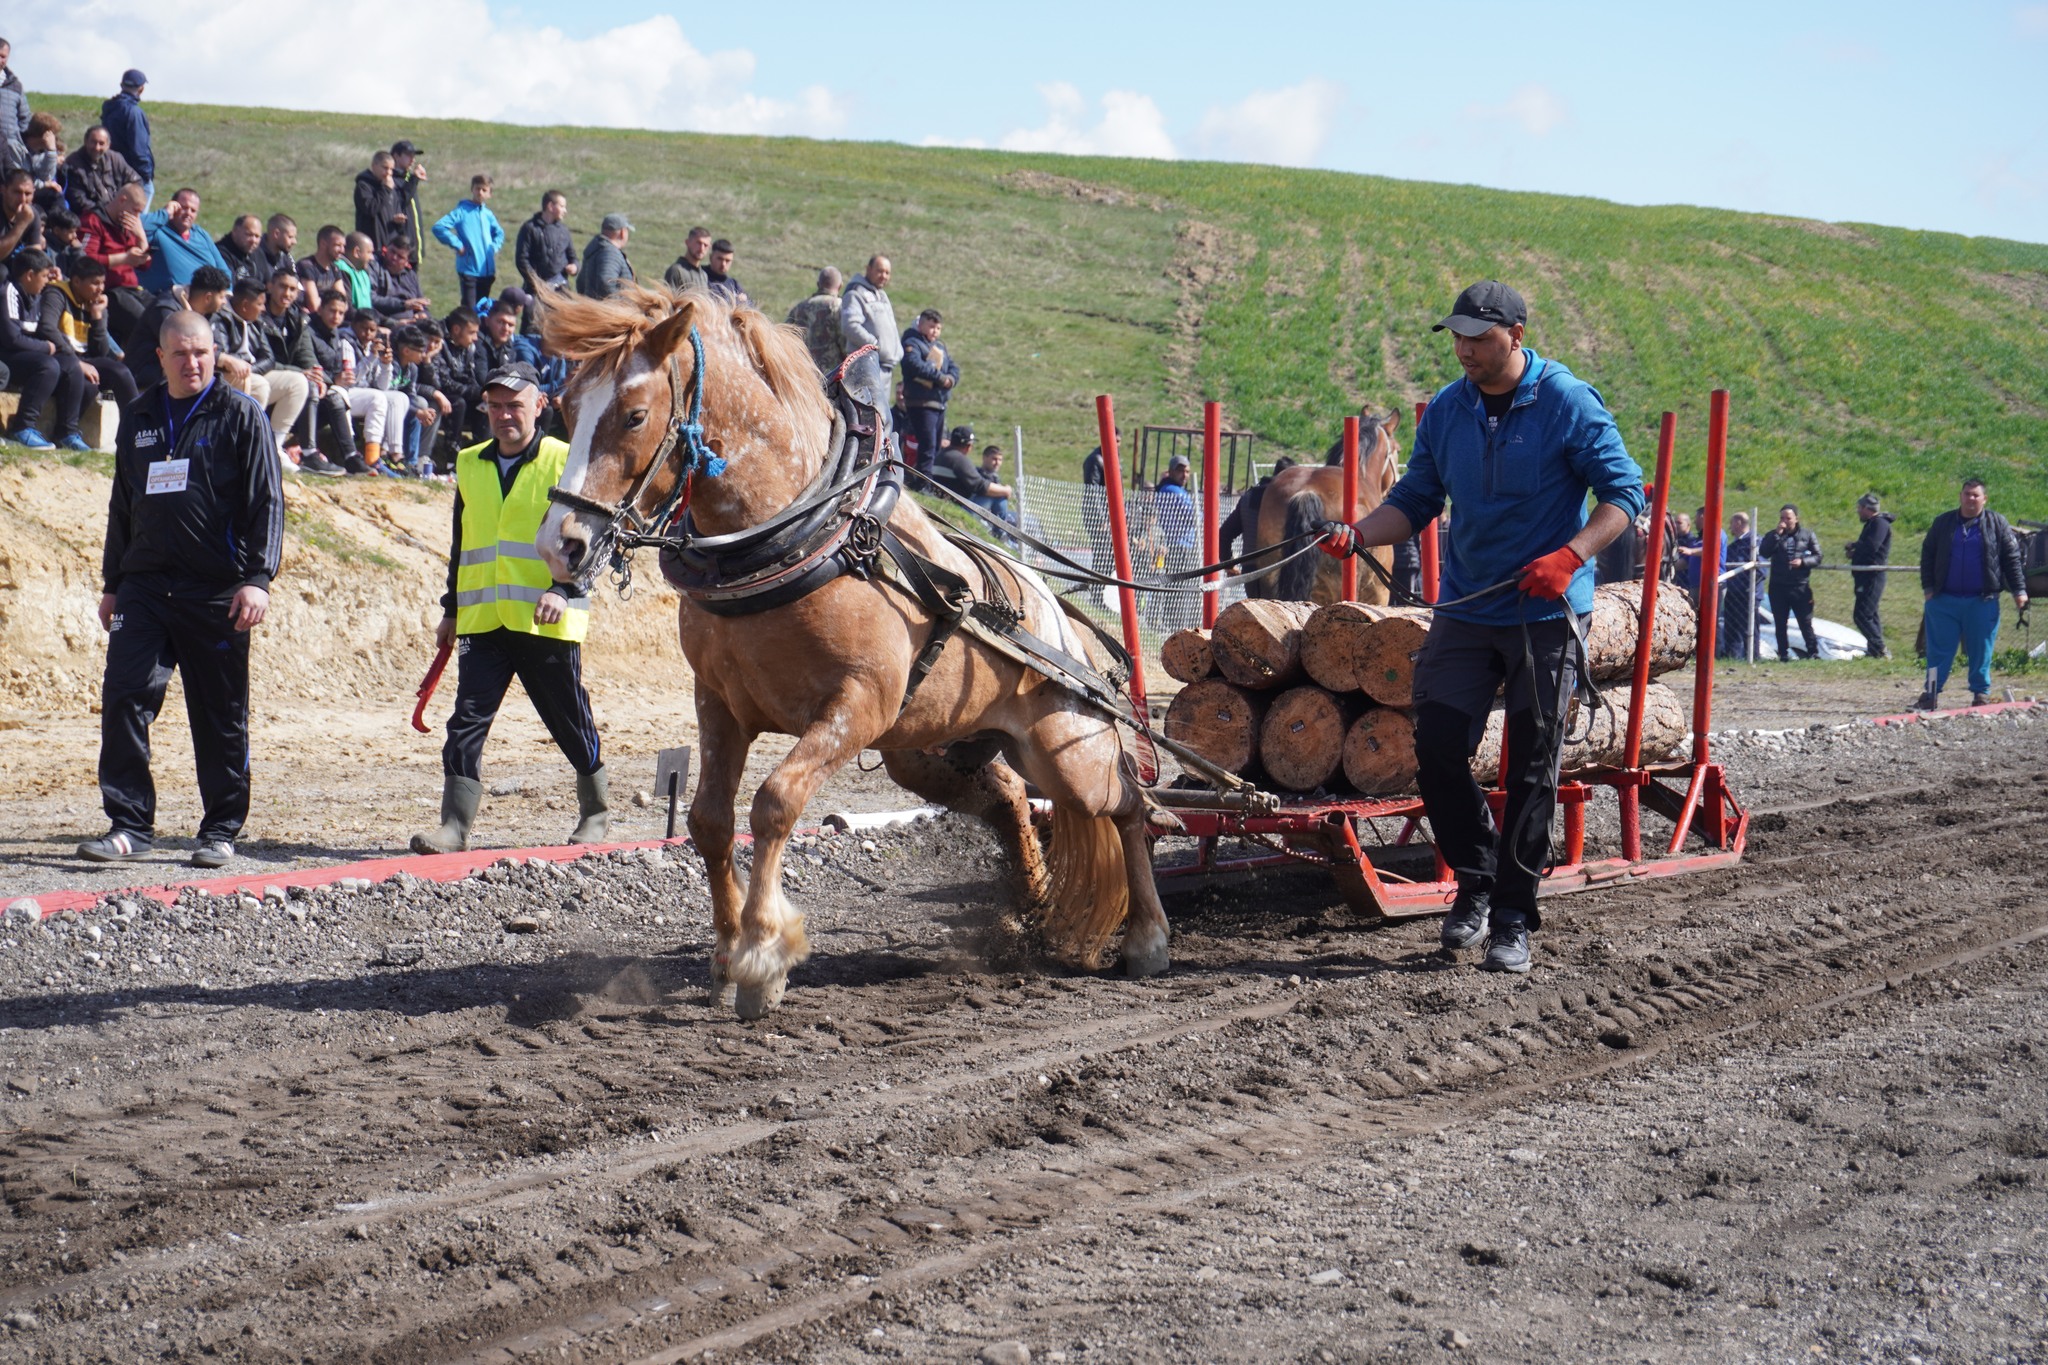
(1515, 447)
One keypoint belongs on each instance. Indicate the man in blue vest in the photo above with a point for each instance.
(1515, 446)
(508, 618)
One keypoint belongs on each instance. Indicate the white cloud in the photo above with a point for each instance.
(2031, 21)
(1536, 108)
(1283, 127)
(449, 59)
(1131, 125)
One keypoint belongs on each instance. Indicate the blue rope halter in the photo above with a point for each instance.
(697, 454)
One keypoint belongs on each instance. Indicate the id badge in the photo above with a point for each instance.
(169, 476)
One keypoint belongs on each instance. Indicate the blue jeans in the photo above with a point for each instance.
(148, 194)
(1971, 622)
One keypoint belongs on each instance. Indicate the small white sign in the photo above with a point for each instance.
(169, 476)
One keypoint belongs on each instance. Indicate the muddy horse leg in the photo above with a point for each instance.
(771, 938)
(970, 779)
(723, 760)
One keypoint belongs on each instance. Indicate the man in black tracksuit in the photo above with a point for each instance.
(1871, 550)
(195, 530)
(1792, 551)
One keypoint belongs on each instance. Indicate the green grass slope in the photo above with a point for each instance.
(1859, 357)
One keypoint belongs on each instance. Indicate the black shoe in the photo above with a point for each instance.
(117, 847)
(1929, 700)
(1507, 950)
(353, 463)
(1465, 925)
(313, 462)
(1980, 699)
(212, 853)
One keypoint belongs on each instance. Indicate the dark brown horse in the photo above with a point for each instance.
(832, 668)
(1302, 498)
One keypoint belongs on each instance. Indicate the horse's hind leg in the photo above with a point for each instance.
(771, 937)
(970, 779)
(722, 762)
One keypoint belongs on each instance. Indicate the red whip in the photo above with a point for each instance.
(433, 680)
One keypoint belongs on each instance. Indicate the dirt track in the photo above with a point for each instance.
(1788, 1111)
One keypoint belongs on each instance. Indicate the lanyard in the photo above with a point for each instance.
(172, 422)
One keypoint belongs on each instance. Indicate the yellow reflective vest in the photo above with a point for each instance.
(499, 574)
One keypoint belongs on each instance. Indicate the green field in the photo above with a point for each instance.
(1859, 357)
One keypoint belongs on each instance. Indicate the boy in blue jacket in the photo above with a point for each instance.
(473, 233)
(1515, 446)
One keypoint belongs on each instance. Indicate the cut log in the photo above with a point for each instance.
(1330, 643)
(1185, 656)
(1379, 752)
(1257, 642)
(1301, 743)
(1219, 721)
(1611, 631)
(1665, 724)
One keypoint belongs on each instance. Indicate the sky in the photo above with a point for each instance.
(1911, 115)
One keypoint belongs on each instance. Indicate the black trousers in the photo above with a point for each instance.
(551, 671)
(115, 382)
(1870, 588)
(928, 425)
(474, 287)
(1460, 668)
(45, 379)
(155, 633)
(1789, 601)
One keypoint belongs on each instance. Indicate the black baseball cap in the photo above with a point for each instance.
(1483, 307)
(517, 376)
(404, 147)
(962, 436)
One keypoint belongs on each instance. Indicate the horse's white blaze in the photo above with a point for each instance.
(590, 410)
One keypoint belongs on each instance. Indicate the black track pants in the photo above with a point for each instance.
(154, 634)
(551, 671)
(1869, 590)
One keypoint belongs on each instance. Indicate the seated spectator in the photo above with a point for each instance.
(60, 240)
(689, 272)
(334, 345)
(46, 159)
(476, 237)
(178, 245)
(320, 272)
(818, 318)
(113, 236)
(247, 362)
(36, 367)
(545, 252)
(206, 294)
(21, 219)
(128, 130)
(94, 172)
(238, 249)
(376, 373)
(606, 270)
(285, 323)
(273, 255)
(413, 376)
(395, 286)
(357, 252)
(953, 466)
(380, 206)
(459, 372)
(79, 305)
(995, 498)
(718, 277)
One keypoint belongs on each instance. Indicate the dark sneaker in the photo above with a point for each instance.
(353, 463)
(212, 853)
(313, 462)
(1465, 925)
(114, 848)
(1980, 699)
(1507, 950)
(1929, 700)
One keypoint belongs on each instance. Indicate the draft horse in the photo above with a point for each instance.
(1300, 499)
(679, 399)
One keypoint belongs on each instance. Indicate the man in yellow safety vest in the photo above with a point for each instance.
(508, 615)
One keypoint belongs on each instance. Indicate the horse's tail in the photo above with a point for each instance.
(1091, 890)
(1298, 580)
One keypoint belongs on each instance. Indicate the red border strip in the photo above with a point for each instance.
(1991, 709)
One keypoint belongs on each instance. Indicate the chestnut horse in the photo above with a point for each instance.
(1300, 499)
(833, 668)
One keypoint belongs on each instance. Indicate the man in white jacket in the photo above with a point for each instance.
(866, 317)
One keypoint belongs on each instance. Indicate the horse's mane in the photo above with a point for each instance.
(605, 333)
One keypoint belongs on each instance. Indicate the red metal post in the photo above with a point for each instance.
(1212, 505)
(1430, 570)
(1710, 574)
(1120, 542)
(1630, 795)
(1348, 571)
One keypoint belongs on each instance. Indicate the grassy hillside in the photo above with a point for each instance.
(1859, 357)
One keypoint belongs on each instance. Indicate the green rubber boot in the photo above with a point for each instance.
(460, 796)
(593, 808)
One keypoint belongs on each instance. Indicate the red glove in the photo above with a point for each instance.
(1551, 576)
(1339, 541)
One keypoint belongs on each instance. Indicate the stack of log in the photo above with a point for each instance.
(1306, 698)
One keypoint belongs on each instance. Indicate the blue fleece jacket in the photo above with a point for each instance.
(174, 259)
(1519, 492)
(473, 232)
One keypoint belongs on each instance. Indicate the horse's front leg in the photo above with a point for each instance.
(771, 939)
(724, 744)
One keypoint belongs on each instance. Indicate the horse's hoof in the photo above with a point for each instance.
(1151, 962)
(751, 1002)
(723, 993)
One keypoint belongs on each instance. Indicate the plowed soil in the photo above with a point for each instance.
(1788, 1111)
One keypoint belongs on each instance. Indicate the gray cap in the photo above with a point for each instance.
(1869, 500)
(615, 222)
(1179, 462)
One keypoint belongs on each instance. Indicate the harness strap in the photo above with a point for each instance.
(942, 592)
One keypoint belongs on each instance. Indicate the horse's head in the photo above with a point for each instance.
(629, 406)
